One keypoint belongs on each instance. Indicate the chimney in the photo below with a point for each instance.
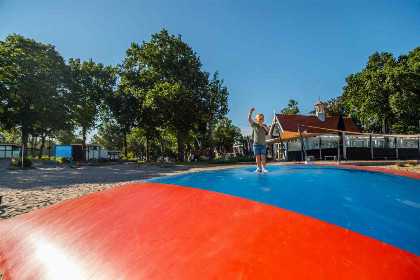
(320, 110)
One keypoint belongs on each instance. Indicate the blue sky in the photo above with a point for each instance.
(267, 52)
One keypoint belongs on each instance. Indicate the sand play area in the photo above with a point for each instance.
(27, 190)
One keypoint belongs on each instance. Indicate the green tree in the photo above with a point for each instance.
(55, 116)
(226, 134)
(367, 93)
(404, 82)
(33, 79)
(65, 137)
(165, 76)
(110, 136)
(291, 109)
(216, 101)
(91, 83)
(11, 136)
(123, 107)
(136, 143)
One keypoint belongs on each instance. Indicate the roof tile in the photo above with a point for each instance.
(290, 123)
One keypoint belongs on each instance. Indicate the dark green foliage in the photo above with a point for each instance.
(165, 77)
(292, 108)
(110, 136)
(90, 84)
(17, 162)
(216, 99)
(225, 135)
(33, 85)
(385, 96)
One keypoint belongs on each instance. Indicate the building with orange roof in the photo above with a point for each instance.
(331, 137)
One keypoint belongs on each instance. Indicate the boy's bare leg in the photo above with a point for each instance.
(264, 162)
(258, 160)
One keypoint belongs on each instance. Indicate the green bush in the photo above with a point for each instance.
(400, 164)
(220, 160)
(17, 162)
(62, 160)
(245, 159)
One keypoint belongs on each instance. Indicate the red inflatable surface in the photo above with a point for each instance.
(157, 231)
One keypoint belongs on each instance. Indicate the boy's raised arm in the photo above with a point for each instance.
(250, 115)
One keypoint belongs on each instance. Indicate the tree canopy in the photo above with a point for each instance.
(291, 109)
(33, 83)
(91, 83)
(163, 98)
(165, 76)
(385, 96)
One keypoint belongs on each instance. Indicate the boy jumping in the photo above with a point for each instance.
(259, 132)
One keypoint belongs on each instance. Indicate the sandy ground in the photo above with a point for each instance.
(26, 190)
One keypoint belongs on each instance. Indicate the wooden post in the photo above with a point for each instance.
(396, 147)
(338, 153)
(302, 145)
(99, 153)
(371, 146)
(23, 148)
(320, 147)
(344, 146)
(287, 151)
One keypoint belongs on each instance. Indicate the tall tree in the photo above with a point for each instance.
(32, 79)
(91, 83)
(9, 136)
(110, 136)
(55, 116)
(123, 108)
(367, 93)
(165, 75)
(292, 108)
(226, 134)
(216, 100)
(404, 82)
(66, 137)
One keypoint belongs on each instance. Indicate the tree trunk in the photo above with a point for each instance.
(43, 136)
(385, 129)
(211, 139)
(84, 143)
(125, 144)
(32, 145)
(162, 148)
(147, 149)
(180, 142)
(25, 136)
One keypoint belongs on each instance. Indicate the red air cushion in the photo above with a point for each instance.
(157, 231)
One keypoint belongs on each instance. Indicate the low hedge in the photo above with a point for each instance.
(17, 162)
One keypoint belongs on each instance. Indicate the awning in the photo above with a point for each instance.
(292, 135)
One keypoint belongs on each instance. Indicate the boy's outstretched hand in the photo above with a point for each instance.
(252, 109)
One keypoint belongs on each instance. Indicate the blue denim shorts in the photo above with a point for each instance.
(260, 149)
